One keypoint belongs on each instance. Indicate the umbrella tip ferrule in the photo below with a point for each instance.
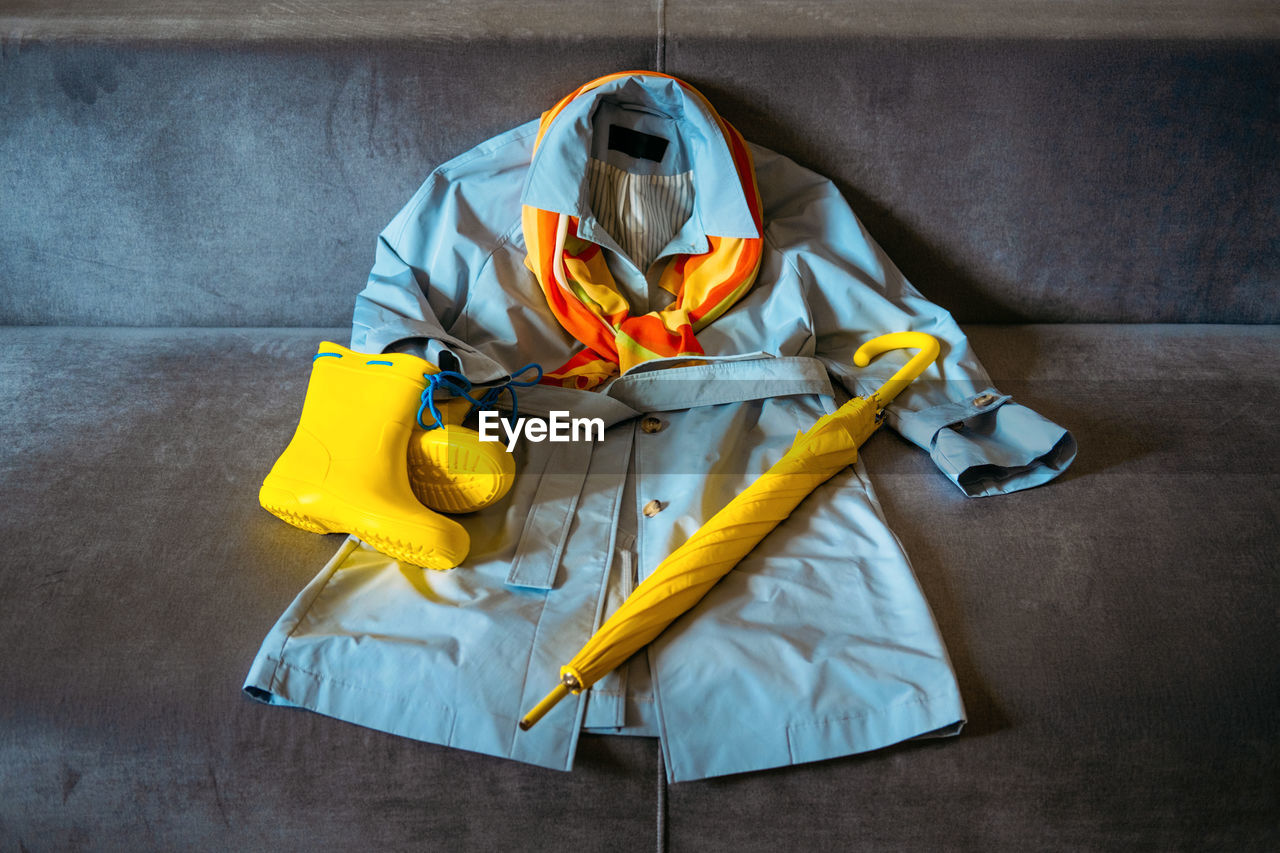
(537, 712)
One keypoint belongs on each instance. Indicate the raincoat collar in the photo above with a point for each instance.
(651, 104)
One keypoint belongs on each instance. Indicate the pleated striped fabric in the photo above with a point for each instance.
(582, 293)
(641, 212)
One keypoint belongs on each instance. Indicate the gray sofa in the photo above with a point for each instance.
(188, 205)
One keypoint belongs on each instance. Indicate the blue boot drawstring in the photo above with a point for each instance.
(490, 398)
(453, 382)
(459, 386)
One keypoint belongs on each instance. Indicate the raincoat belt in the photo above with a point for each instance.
(712, 381)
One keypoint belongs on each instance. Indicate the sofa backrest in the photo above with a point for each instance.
(1016, 179)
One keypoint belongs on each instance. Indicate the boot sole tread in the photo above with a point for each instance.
(297, 519)
(398, 549)
(451, 483)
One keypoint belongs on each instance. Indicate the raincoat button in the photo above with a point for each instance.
(984, 399)
(652, 424)
(652, 508)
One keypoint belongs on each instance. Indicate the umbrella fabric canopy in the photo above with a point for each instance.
(691, 570)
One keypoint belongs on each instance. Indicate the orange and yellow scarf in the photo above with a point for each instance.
(585, 298)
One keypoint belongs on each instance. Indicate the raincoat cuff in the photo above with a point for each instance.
(988, 445)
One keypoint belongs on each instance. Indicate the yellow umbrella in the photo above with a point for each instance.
(691, 570)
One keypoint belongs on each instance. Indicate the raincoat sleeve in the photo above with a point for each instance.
(982, 440)
(427, 258)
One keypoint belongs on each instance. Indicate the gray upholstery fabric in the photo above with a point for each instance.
(1012, 180)
(214, 185)
(242, 21)
(1034, 181)
(253, 20)
(1114, 631)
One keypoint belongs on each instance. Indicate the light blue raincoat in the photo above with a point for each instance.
(819, 643)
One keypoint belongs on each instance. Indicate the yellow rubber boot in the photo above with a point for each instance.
(451, 469)
(345, 471)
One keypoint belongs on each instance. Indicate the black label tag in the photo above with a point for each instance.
(642, 146)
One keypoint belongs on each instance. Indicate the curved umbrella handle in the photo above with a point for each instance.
(929, 349)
